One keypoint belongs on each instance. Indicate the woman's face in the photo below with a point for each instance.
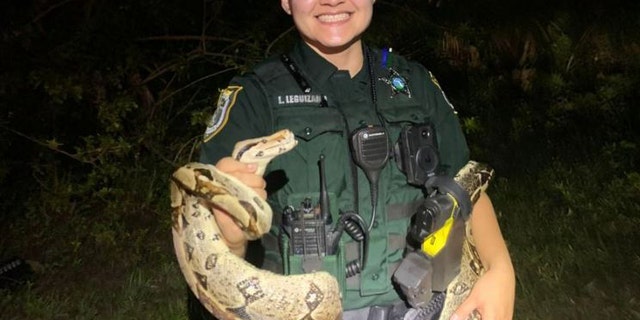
(330, 25)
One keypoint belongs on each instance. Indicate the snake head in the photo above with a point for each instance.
(262, 150)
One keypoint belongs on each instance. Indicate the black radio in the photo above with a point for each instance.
(312, 234)
(306, 228)
(309, 226)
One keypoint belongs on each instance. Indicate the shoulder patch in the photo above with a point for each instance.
(226, 100)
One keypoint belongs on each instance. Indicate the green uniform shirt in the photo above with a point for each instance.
(269, 98)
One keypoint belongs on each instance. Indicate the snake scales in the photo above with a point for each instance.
(231, 288)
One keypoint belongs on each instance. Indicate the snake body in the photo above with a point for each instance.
(231, 288)
(474, 178)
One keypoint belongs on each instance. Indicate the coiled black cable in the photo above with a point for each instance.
(355, 226)
(354, 230)
(353, 267)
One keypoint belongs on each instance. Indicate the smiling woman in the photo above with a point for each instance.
(328, 88)
(333, 28)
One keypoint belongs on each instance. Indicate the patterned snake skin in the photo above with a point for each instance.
(474, 178)
(231, 288)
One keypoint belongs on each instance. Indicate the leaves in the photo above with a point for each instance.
(99, 101)
(53, 144)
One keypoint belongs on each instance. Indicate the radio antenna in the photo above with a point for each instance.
(325, 209)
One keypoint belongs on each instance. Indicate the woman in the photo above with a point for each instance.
(330, 85)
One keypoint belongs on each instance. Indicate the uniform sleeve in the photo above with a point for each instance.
(452, 145)
(241, 113)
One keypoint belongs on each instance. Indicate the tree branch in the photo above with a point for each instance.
(48, 10)
(50, 146)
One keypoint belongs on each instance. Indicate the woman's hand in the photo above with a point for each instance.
(492, 295)
(245, 172)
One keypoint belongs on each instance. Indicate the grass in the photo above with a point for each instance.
(87, 266)
(141, 293)
(572, 231)
(125, 288)
(573, 237)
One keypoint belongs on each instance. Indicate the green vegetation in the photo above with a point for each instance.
(101, 100)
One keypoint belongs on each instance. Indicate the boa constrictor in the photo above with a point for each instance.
(231, 288)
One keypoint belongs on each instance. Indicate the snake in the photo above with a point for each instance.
(231, 288)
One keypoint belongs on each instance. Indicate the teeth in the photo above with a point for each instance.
(334, 17)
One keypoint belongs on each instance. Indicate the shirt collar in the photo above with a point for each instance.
(317, 68)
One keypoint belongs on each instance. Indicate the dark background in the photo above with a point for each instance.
(101, 100)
